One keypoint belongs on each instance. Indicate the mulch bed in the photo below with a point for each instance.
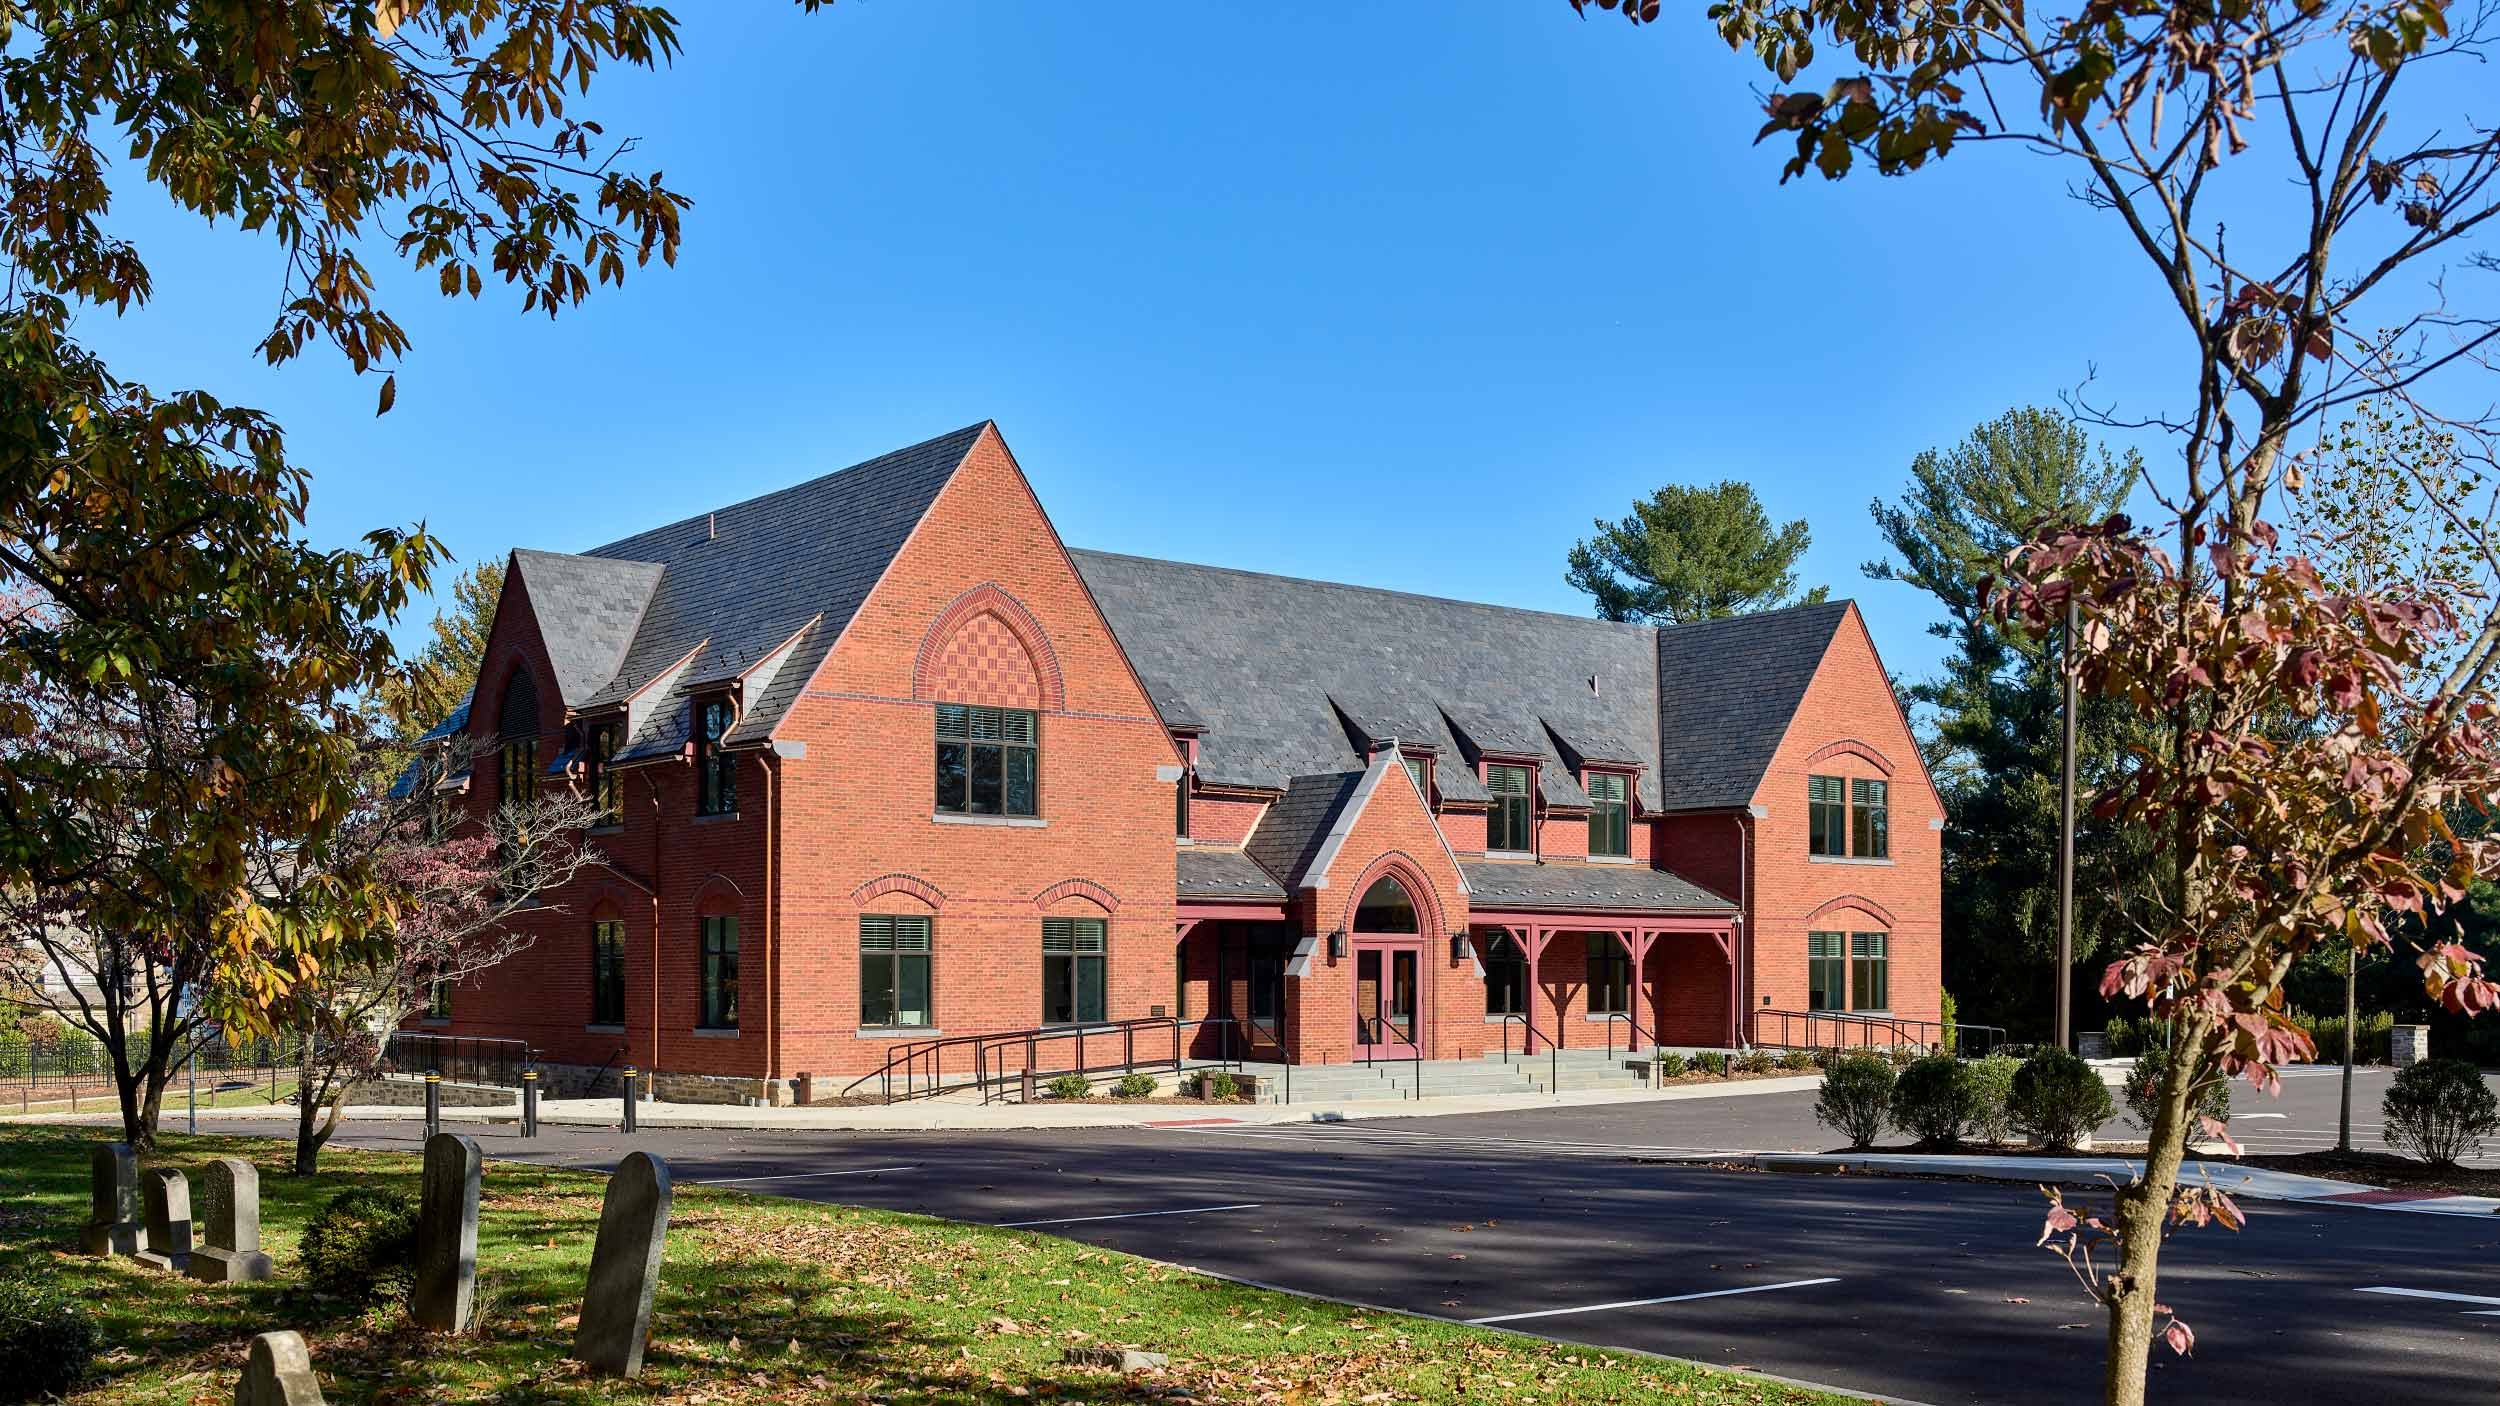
(2382, 1169)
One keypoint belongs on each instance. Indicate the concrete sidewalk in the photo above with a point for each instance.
(966, 1113)
(2253, 1183)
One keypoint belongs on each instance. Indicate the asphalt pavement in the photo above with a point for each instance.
(1575, 1224)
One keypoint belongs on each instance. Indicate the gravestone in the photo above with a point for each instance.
(168, 1194)
(624, 1268)
(231, 1190)
(279, 1373)
(2408, 1044)
(446, 1235)
(112, 1226)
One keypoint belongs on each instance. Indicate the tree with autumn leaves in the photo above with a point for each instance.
(2310, 777)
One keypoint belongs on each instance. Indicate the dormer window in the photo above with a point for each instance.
(607, 794)
(1506, 826)
(715, 768)
(1610, 815)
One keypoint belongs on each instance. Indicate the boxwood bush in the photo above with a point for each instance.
(1931, 1101)
(1070, 1086)
(2143, 1092)
(1857, 1095)
(2440, 1111)
(1670, 1064)
(362, 1244)
(2057, 1100)
(47, 1342)
(1991, 1085)
(1134, 1086)
(1712, 1062)
(1218, 1086)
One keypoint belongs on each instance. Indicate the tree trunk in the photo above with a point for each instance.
(2133, 1290)
(138, 1112)
(310, 1137)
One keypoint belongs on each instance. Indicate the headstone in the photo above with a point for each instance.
(1118, 1359)
(2092, 1044)
(2408, 1044)
(112, 1226)
(279, 1373)
(446, 1235)
(168, 1195)
(231, 1189)
(624, 1268)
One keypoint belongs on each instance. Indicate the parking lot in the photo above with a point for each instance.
(1581, 1224)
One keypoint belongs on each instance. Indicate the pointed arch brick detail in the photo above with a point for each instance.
(986, 609)
(1408, 871)
(912, 884)
(1087, 889)
(1862, 904)
(1852, 747)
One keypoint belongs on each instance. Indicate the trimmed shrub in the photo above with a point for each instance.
(1134, 1086)
(2057, 1100)
(1070, 1086)
(1218, 1086)
(1949, 1012)
(1991, 1085)
(1857, 1093)
(1670, 1064)
(1931, 1101)
(362, 1245)
(2143, 1091)
(1711, 1062)
(2440, 1111)
(1755, 1062)
(48, 1342)
(1798, 1060)
(2125, 1038)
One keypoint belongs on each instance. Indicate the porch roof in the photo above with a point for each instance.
(1586, 888)
(1226, 876)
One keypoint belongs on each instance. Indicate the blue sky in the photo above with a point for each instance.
(1396, 295)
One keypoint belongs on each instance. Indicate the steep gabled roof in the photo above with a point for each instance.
(587, 609)
(1280, 670)
(1291, 833)
(743, 580)
(1727, 690)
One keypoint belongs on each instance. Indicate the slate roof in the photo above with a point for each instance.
(742, 581)
(1726, 691)
(1293, 678)
(1586, 887)
(587, 609)
(1288, 837)
(1226, 873)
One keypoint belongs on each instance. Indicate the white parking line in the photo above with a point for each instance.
(802, 1176)
(2436, 1294)
(1644, 1303)
(1131, 1215)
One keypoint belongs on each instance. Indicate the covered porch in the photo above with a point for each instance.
(1582, 956)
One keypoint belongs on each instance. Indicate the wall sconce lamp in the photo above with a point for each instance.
(1460, 948)
(1336, 945)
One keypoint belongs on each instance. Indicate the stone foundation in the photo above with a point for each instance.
(402, 1091)
(608, 1081)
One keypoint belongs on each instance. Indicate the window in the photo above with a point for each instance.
(894, 970)
(1610, 815)
(606, 791)
(1610, 976)
(437, 999)
(987, 759)
(1826, 971)
(1267, 985)
(1870, 972)
(1386, 907)
(1505, 977)
(716, 770)
(607, 972)
(1506, 828)
(1827, 816)
(1870, 828)
(516, 721)
(1072, 977)
(720, 973)
(1415, 770)
(1180, 806)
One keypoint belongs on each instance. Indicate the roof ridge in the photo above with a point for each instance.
(1799, 608)
(967, 433)
(1373, 590)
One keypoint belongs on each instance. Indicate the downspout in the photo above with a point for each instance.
(772, 950)
(652, 790)
(1738, 990)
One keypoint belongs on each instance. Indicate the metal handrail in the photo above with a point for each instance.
(1894, 1030)
(921, 1064)
(1415, 1051)
(1637, 1030)
(1527, 1043)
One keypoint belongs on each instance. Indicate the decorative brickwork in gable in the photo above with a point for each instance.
(987, 648)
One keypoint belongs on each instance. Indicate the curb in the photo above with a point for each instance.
(2321, 1191)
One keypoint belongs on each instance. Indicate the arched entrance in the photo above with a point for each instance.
(1388, 972)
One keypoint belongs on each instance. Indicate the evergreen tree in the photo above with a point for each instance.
(1690, 553)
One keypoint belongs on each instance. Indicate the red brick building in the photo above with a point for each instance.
(888, 763)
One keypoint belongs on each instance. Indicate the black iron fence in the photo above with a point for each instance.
(74, 1058)
(462, 1059)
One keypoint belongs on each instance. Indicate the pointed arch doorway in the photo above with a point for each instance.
(1388, 972)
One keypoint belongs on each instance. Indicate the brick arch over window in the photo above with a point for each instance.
(1852, 747)
(1400, 865)
(910, 885)
(1086, 889)
(1867, 906)
(607, 905)
(987, 648)
(718, 896)
(516, 710)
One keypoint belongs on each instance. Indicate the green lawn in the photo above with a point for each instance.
(766, 1300)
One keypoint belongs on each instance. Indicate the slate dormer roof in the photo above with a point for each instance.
(587, 609)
